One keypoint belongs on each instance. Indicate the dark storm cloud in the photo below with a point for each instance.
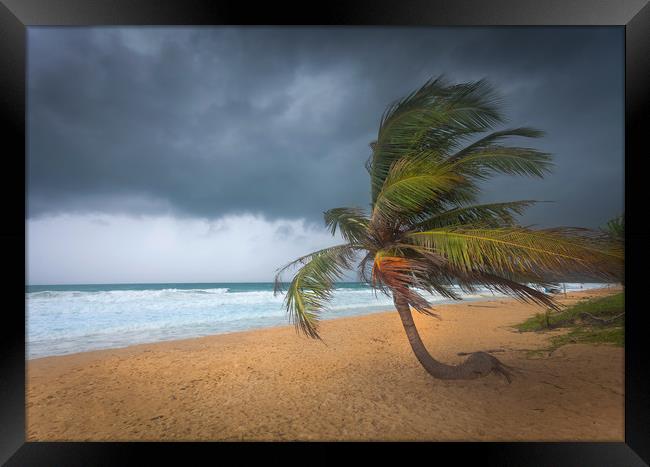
(206, 122)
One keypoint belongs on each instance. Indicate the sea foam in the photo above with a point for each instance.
(67, 319)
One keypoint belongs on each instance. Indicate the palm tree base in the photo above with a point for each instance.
(481, 364)
(477, 365)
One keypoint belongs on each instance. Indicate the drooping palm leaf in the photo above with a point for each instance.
(398, 275)
(436, 287)
(365, 267)
(518, 290)
(312, 286)
(442, 275)
(351, 222)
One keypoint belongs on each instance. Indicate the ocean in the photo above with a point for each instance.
(63, 319)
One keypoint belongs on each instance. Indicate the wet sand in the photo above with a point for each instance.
(362, 383)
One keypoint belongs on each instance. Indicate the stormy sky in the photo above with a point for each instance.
(209, 154)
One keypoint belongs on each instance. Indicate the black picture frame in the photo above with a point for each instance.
(17, 15)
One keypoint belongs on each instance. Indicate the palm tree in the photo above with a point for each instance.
(615, 228)
(424, 231)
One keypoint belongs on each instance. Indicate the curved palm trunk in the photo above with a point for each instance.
(477, 364)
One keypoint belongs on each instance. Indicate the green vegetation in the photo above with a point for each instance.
(597, 321)
(615, 228)
(425, 229)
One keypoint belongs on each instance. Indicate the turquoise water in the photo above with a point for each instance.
(64, 319)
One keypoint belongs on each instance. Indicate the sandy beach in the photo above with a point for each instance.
(362, 383)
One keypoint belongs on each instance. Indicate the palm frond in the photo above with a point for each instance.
(412, 185)
(437, 282)
(497, 137)
(489, 215)
(442, 275)
(435, 117)
(365, 268)
(516, 289)
(520, 250)
(352, 223)
(615, 229)
(399, 275)
(312, 286)
(483, 162)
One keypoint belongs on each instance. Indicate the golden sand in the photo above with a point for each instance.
(362, 383)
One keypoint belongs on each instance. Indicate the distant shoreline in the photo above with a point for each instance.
(325, 316)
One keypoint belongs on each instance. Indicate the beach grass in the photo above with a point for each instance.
(596, 321)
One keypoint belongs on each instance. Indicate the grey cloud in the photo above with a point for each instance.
(207, 122)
